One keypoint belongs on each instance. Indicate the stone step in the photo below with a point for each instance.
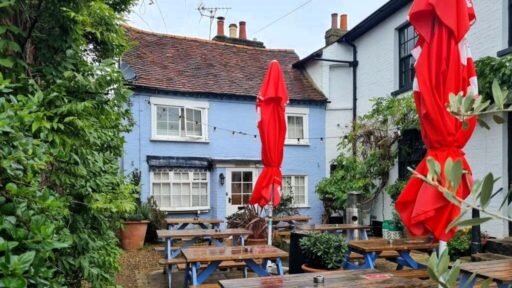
(499, 246)
(488, 257)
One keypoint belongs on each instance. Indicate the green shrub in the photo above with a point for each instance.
(324, 250)
(460, 244)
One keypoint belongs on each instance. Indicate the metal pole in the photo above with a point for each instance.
(269, 236)
(475, 234)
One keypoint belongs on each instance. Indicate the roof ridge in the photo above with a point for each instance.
(129, 27)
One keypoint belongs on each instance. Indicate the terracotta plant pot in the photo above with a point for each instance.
(308, 269)
(133, 234)
(253, 242)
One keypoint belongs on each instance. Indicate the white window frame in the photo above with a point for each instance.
(191, 175)
(202, 106)
(298, 112)
(306, 192)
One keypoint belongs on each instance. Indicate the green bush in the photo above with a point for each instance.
(460, 244)
(324, 250)
(63, 113)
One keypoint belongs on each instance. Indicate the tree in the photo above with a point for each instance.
(63, 111)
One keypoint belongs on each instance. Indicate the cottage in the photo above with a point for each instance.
(195, 139)
(373, 59)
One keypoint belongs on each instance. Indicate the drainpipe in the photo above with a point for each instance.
(354, 88)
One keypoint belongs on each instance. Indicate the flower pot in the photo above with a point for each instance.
(253, 242)
(133, 234)
(309, 269)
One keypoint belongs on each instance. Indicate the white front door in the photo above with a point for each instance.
(239, 185)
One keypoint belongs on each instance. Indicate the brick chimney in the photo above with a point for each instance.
(220, 26)
(242, 32)
(334, 33)
(232, 30)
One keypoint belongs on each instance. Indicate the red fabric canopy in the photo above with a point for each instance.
(444, 65)
(270, 104)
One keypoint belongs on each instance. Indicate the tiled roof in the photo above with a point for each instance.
(183, 64)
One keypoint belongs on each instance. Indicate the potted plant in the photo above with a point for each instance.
(251, 218)
(323, 251)
(135, 224)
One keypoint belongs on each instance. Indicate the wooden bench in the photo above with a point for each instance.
(181, 263)
(384, 254)
(206, 286)
(411, 273)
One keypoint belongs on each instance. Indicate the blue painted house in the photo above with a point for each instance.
(195, 139)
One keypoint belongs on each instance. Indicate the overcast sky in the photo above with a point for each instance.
(302, 30)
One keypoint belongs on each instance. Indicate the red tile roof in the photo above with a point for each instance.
(183, 64)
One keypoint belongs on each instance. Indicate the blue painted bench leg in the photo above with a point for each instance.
(369, 262)
(183, 226)
(279, 266)
(408, 261)
(198, 278)
(259, 270)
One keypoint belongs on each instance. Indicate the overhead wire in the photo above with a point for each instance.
(282, 17)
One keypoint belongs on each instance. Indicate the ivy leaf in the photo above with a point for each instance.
(6, 62)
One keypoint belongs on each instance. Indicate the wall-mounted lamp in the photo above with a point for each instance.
(222, 178)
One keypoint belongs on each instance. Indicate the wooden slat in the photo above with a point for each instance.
(338, 279)
(175, 221)
(377, 245)
(209, 254)
(331, 227)
(292, 218)
(411, 273)
(190, 233)
(173, 261)
(223, 264)
(384, 254)
(496, 269)
(205, 286)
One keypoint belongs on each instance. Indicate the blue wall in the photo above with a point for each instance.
(239, 115)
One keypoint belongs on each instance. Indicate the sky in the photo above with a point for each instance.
(281, 24)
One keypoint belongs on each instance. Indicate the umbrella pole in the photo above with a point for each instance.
(269, 236)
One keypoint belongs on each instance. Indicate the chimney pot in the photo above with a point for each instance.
(232, 30)
(242, 32)
(334, 21)
(344, 22)
(220, 26)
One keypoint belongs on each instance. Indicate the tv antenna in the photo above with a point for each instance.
(210, 12)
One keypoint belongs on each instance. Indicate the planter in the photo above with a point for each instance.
(308, 269)
(253, 242)
(132, 234)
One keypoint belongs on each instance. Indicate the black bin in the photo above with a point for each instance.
(295, 257)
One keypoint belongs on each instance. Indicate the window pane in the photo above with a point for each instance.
(236, 176)
(236, 199)
(247, 188)
(236, 188)
(247, 176)
(246, 198)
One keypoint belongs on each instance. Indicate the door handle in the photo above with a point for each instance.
(229, 200)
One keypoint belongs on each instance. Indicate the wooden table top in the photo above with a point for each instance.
(496, 269)
(188, 233)
(193, 221)
(331, 227)
(298, 218)
(338, 279)
(211, 253)
(379, 245)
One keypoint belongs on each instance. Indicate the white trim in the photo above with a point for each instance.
(169, 209)
(202, 106)
(306, 198)
(298, 112)
(255, 174)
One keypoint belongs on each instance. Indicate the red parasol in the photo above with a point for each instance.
(444, 65)
(271, 103)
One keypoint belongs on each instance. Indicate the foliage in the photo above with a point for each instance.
(286, 207)
(394, 190)
(157, 220)
(62, 116)
(374, 137)
(251, 218)
(324, 250)
(460, 244)
(142, 209)
(490, 69)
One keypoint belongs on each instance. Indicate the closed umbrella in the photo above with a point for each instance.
(271, 102)
(443, 66)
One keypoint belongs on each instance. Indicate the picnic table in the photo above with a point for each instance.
(215, 255)
(194, 234)
(499, 270)
(332, 279)
(349, 229)
(184, 222)
(371, 249)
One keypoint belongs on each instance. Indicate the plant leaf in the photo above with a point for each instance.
(497, 94)
(455, 221)
(486, 192)
(498, 119)
(474, 221)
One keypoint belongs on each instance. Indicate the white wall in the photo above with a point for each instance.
(378, 76)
